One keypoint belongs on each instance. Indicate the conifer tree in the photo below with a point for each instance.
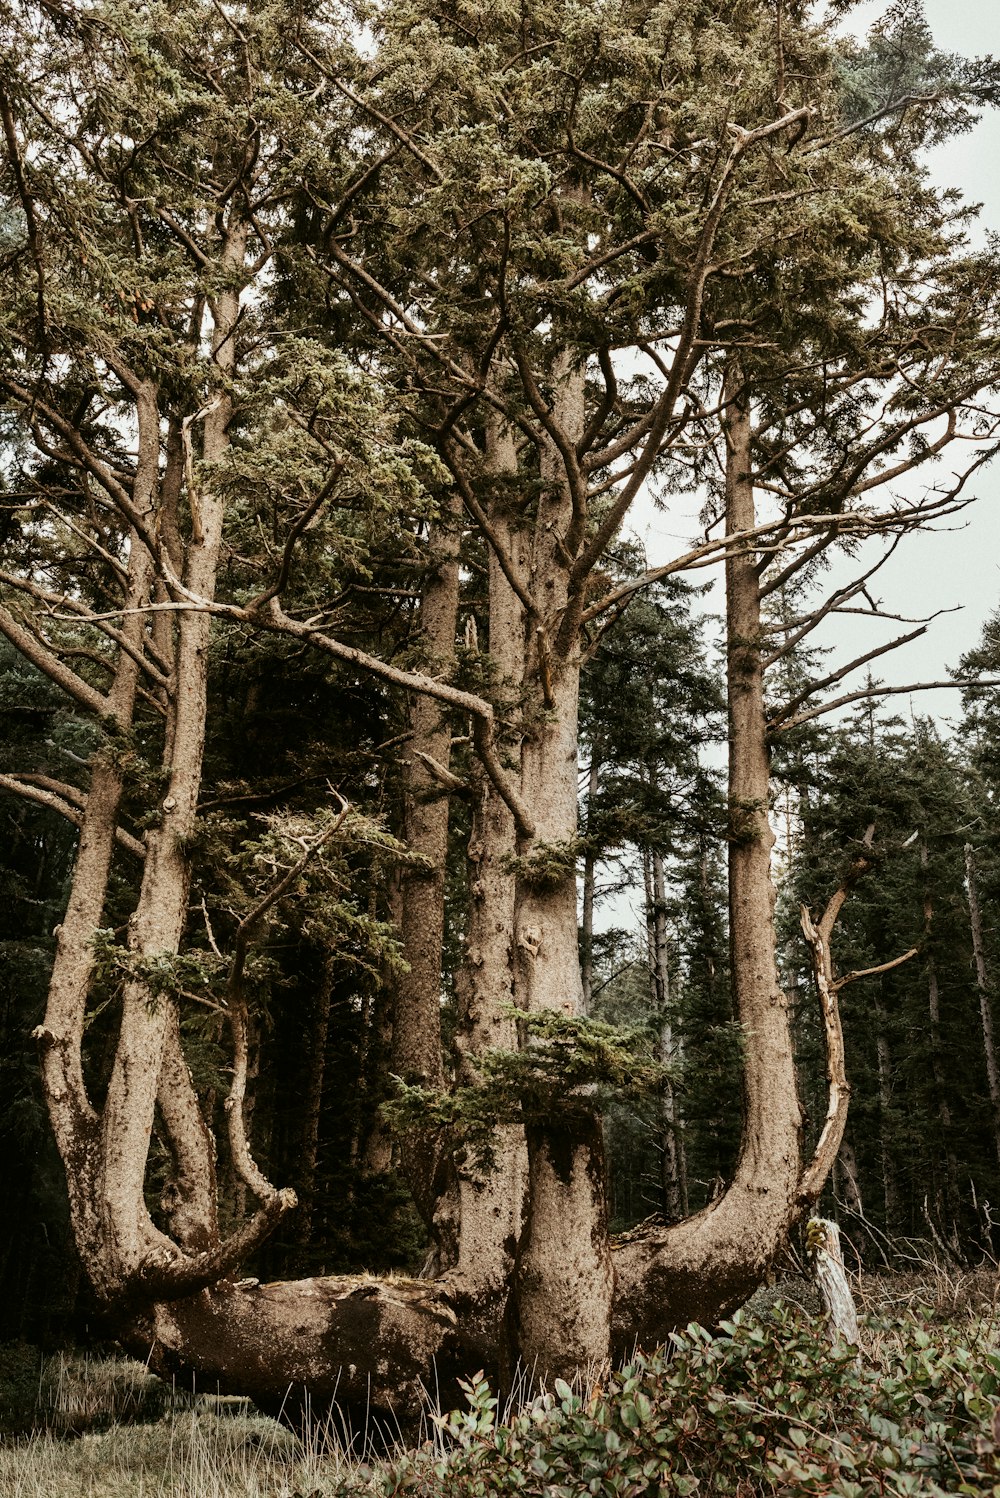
(282, 300)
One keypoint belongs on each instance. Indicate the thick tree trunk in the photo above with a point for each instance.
(126, 1255)
(75, 1123)
(479, 1216)
(370, 1343)
(368, 1351)
(706, 1266)
(564, 1276)
(560, 1307)
(416, 1026)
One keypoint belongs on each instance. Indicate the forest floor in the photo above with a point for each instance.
(764, 1407)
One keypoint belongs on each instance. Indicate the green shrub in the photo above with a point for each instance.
(763, 1407)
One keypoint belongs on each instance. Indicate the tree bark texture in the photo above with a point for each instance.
(673, 1170)
(589, 876)
(985, 993)
(668, 1276)
(560, 1307)
(416, 1029)
(126, 1254)
(479, 1215)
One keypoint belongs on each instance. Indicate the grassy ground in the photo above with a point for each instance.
(109, 1429)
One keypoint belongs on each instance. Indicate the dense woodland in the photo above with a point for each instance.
(343, 720)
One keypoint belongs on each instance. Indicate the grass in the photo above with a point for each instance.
(110, 1429)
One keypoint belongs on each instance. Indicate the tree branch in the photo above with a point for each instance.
(685, 357)
(838, 675)
(49, 663)
(869, 692)
(813, 1176)
(66, 800)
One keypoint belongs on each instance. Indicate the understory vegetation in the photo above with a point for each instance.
(765, 1405)
(434, 943)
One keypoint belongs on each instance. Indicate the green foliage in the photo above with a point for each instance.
(567, 1068)
(913, 1034)
(547, 865)
(900, 61)
(763, 1407)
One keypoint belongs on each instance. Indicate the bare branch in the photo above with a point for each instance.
(838, 675)
(881, 691)
(443, 776)
(67, 801)
(814, 1174)
(872, 972)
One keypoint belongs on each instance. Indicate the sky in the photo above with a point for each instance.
(955, 569)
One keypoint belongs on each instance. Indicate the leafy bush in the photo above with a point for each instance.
(763, 1407)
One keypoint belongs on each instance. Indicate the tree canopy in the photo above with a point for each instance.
(338, 345)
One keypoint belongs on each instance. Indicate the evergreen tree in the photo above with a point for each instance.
(281, 302)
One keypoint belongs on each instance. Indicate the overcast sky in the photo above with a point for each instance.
(956, 569)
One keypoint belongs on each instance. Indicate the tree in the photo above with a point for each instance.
(650, 705)
(920, 1096)
(277, 296)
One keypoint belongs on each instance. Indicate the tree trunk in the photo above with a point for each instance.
(847, 1163)
(673, 1169)
(416, 1027)
(706, 1266)
(589, 872)
(890, 1178)
(60, 1037)
(560, 1307)
(126, 1254)
(985, 994)
(311, 1115)
(479, 1216)
(950, 1193)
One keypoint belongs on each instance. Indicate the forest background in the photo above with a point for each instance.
(921, 1157)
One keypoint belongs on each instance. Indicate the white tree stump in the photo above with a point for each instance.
(823, 1237)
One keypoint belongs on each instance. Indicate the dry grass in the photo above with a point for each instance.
(110, 1429)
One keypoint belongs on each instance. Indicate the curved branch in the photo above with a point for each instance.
(51, 666)
(685, 355)
(276, 588)
(815, 1173)
(66, 800)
